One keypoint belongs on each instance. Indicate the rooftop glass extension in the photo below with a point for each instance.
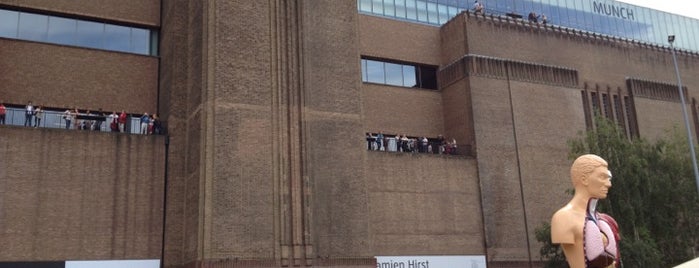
(607, 17)
(75, 32)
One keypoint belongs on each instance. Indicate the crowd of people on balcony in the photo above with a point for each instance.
(87, 119)
(406, 144)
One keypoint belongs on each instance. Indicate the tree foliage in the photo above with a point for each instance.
(653, 196)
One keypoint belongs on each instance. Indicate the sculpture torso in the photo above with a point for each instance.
(599, 242)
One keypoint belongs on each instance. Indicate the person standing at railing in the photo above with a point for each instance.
(29, 112)
(478, 8)
(145, 121)
(2, 113)
(68, 117)
(113, 122)
(157, 125)
(38, 114)
(98, 122)
(122, 121)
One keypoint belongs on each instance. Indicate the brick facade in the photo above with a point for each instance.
(266, 162)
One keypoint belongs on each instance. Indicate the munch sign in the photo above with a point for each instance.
(612, 10)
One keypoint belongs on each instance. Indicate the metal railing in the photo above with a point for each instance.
(412, 145)
(55, 119)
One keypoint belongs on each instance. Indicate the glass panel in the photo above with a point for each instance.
(153, 40)
(365, 5)
(665, 21)
(62, 31)
(683, 23)
(400, 8)
(117, 38)
(89, 34)
(140, 42)
(505, 6)
(32, 26)
(375, 72)
(573, 13)
(648, 27)
(394, 74)
(554, 11)
(443, 14)
(421, 11)
(453, 11)
(409, 76)
(657, 29)
(8, 23)
(389, 8)
(410, 9)
(377, 7)
(693, 27)
(432, 15)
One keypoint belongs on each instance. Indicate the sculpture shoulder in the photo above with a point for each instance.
(563, 225)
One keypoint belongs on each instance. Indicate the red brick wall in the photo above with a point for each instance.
(80, 195)
(61, 76)
(143, 12)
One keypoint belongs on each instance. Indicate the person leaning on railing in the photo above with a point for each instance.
(2, 113)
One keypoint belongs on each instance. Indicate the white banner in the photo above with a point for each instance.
(470, 261)
(114, 264)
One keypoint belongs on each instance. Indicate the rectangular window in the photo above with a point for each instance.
(8, 23)
(68, 31)
(422, 11)
(365, 5)
(389, 8)
(89, 34)
(375, 72)
(409, 76)
(411, 9)
(432, 15)
(377, 7)
(443, 14)
(140, 41)
(400, 9)
(62, 31)
(33, 27)
(394, 74)
(399, 74)
(117, 38)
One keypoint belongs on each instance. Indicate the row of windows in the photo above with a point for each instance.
(82, 33)
(600, 16)
(397, 74)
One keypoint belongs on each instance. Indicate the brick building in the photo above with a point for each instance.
(267, 104)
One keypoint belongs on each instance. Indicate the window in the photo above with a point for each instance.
(399, 74)
(62, 31)
(33, 27)
(8, 23)
(89, 34)
(73, 32)
(117, 38)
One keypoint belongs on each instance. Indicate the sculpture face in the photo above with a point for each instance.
(599, 182)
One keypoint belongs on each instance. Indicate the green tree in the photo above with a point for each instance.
(653, 196)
